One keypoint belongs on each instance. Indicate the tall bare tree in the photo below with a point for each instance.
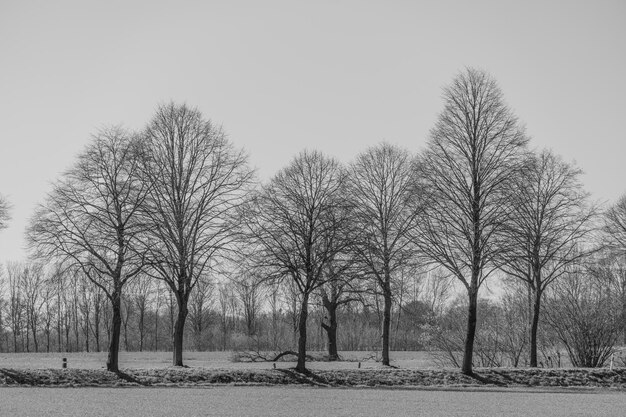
(198, 180)
(90, 220)
(298, 221)
(472, 153)
(387, 208)
(549, 216)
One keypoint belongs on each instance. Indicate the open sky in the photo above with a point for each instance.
(281, 76)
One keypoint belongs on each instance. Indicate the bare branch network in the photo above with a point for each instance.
(164, 239)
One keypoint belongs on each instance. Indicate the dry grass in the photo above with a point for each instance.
(211, 360)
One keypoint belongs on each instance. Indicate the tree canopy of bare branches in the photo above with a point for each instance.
(386, 209)
(548, 218)
(580, 309)
(197, 179)
(5, 215)
(615, 225)
(299, 222)
(472, 153)
(90, 219)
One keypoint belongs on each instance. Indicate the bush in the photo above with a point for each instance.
(581, 310)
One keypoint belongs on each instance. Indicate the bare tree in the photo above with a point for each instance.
(15, 304)
(472, 153)
(548, 218)
(611, 268)
(227, 305)
(247, 287)
(200, 303)
(298, 222)
(90, 220)
(615, 226)
(387, 208)
(142, 291)
(341, 288)
(580, 309)
(198, 180)
(5, 208)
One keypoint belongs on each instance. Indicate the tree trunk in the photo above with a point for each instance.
(142, 314)
(534, 327)
(116, 327)
(386, 322)
(331, 329)
(179, 328)
(59, 331)
(48, 340)
(125, 322)
(623, 294)
(471, 329)
(34, 332)
(156, 329)
(304, 312)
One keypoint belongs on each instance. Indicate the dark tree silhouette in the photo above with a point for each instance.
(197, 182)
(90, 220)
(298, 221)
(548, 218)
(387, 207)
(472, 154)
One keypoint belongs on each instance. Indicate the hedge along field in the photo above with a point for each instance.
(358, 369)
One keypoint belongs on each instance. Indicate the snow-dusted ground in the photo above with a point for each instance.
(297, 401)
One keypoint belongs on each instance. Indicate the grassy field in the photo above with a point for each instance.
(211, 360)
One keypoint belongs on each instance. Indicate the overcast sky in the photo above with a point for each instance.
(337, 76)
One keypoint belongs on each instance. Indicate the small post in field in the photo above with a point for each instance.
(359, 365)
(274, 365)
(64, 364)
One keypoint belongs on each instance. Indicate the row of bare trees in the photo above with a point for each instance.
(159, 202)
(178, 204)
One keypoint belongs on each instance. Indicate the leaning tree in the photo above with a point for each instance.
(387, 207)
(197, 180)
(298, 222)
(90, 221)
(548, 218)
(472, 154)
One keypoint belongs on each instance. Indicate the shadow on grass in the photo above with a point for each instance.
(17, 377)
(489, 380)
(129, 378)
(307, 377)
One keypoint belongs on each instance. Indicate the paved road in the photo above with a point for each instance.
(300, 401)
